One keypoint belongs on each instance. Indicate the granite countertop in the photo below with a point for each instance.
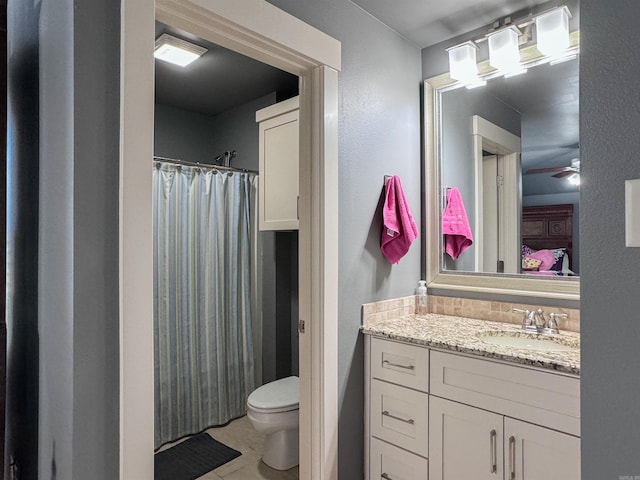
(465, 335)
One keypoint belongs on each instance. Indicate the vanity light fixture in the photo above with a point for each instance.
(504, 54)
(552, 30)
(553, 41)
(462, 62)
(177, 51)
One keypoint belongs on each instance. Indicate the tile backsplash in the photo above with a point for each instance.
(386, 309)
(466, 307)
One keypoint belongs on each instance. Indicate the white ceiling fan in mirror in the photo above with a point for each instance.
(571, 173)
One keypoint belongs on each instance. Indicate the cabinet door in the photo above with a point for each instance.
(537, 453)
(278, 181)
(464, 442)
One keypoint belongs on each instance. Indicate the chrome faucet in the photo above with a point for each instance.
(535, 321)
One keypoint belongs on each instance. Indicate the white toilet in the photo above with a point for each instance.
(273, 410)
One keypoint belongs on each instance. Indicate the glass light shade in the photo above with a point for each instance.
(504, 54)
(174, 50)
(574, 179)
(552, 30)
(462, 62)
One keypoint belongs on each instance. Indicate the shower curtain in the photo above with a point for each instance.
(204, 241)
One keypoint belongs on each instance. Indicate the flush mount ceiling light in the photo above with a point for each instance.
(504, 54)
(462, 62)
(177, 51)
(552, 29)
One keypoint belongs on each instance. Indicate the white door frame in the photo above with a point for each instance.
(257, 29)
(496, 140)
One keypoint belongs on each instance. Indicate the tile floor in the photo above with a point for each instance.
(240, 435)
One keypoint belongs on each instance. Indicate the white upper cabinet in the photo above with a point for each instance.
(279, 158)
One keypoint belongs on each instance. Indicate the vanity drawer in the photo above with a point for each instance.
(399, 363)
(387, 461)
(400, 416)
(547, 399)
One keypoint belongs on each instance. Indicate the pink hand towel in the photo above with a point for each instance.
(399, 230)
(455, 225)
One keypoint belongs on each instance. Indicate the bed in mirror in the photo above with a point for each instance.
(508, 151)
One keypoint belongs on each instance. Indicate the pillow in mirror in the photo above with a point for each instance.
(552, 259)
(529, 263)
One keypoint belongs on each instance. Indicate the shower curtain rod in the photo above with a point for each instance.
(203, 165)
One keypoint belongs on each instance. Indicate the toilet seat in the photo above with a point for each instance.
(279, 396)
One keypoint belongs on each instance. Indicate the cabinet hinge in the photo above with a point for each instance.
(499, 180)
(298, 207)
(301, 326)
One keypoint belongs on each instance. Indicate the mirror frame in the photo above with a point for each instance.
(472, 282)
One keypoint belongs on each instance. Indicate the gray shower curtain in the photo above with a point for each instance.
(203, 233)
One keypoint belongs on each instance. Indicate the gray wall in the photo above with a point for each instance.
(610, 323)
(195, 137)
(458, 167)
(237, 130)
(183, 135)
(63, 248)
(22, 239)
(379, 133)
(96, 191)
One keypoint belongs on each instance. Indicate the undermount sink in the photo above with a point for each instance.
(527, 341)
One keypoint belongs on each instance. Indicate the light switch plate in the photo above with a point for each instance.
(632, 212)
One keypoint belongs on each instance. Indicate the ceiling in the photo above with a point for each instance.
(427, 22)
(218, 81)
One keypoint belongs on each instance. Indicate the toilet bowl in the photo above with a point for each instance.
(273, 410)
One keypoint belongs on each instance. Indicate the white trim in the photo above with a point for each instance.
(136, 262)
(263, 32)
(497, 135)
(496, 140)
(278, 109)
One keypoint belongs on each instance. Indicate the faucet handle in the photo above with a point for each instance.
(538, 319)
(526, 318)
(552, 324)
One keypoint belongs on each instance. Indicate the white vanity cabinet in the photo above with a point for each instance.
(485, 419)
(468, 442)
(278, 158)
(397, 417)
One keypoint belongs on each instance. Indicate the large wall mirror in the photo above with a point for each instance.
(509, 152)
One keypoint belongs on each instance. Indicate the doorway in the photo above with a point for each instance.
(263, 32)
(498, 205)
(225, 293)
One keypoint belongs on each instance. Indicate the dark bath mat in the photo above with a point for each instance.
(192, 458)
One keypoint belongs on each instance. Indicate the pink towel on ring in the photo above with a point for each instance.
(455, 225)
(399, 230)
